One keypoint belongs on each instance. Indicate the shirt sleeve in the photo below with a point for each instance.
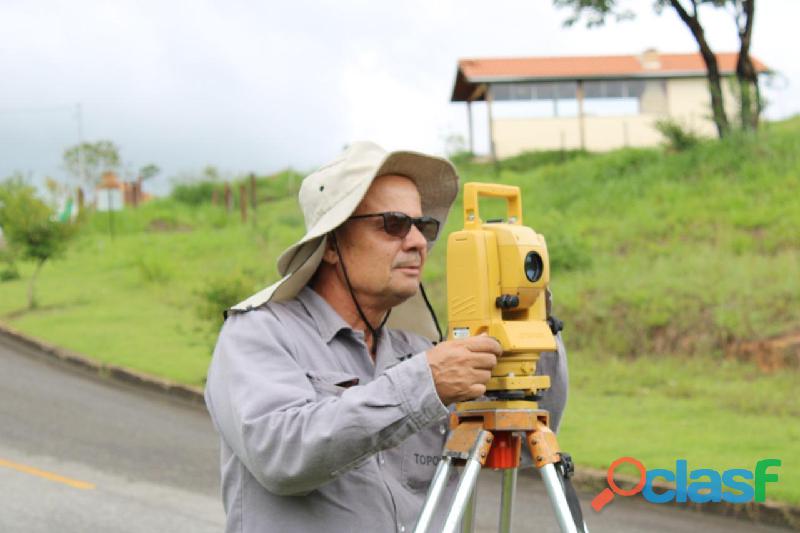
(554, 399)
(266, 409)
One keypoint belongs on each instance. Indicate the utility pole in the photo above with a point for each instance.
(81, 164)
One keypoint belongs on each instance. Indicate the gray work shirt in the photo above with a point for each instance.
(314, 435)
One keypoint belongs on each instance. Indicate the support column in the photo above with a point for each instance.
(469, 123)
(489, 100)
(581, 126)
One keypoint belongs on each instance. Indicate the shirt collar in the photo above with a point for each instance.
(328, 321)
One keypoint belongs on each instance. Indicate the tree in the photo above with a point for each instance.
(597, 11)
(87, 161)
(692, 21)
(749, 104)
(30, 229)
(148, 171)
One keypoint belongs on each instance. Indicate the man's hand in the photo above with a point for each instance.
(462, 367)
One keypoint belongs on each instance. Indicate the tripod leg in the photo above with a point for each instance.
(468, 442)
(507, 499)
(468, 522)
(463, 493)
(545, 452)
(557, 497)
(434, 494)
(471, 443)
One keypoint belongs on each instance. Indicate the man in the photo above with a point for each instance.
(329, 397)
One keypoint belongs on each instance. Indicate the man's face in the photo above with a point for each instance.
(384, 268)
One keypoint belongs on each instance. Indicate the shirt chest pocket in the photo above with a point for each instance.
(421, 454)
(330, 382)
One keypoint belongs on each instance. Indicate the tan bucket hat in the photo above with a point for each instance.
(331, 194)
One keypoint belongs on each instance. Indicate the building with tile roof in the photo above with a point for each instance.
(591, 102)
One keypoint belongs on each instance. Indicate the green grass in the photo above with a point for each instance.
(134, 300)
(660, 262)
(718, 415)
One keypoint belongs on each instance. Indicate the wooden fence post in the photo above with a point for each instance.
(253, 197)
(243, 201)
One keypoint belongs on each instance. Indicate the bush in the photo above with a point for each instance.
(676, 136)
(222, 292)
(9, 271)
(534, 159)
(461, 158)
(153, 270)
(30, 227)
(194, 193)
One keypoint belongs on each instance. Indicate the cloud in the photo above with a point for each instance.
(255, 86)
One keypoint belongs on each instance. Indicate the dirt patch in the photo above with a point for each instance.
(770, 355)
(163, 224)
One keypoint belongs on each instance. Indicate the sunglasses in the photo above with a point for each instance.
(399, 224)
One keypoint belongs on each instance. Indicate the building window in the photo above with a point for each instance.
(601, 98)
(535, 99)
(548, 90)
(613, 88)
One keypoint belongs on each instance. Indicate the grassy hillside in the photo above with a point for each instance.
(664, 265)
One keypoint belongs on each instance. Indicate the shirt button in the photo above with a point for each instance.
(442, 429)
(382, 460)
(402, 528)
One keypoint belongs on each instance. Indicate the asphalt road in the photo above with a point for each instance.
(80, 453)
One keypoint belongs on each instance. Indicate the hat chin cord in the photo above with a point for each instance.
(374, 331)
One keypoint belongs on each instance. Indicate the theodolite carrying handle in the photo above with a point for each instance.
(472, 192)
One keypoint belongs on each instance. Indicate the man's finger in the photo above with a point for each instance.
(482, 375)
(483, 343)
(477, 390)
(484, 361)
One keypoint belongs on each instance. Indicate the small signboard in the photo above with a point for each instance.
(109, 200)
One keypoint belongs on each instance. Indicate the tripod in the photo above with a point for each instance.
(489, 433)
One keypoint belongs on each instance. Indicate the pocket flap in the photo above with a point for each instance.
(332, 378)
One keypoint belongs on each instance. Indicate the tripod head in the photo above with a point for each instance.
(497, 278)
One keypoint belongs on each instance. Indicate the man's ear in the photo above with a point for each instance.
(330, 256)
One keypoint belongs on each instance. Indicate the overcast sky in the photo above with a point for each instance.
(259, 86)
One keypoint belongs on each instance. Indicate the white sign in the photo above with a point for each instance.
(109, 200)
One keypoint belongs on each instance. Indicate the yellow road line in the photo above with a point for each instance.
(48, 475)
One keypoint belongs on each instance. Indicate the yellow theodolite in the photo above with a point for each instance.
(497, 280)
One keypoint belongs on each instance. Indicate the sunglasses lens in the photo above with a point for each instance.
(429, 227)
(396, 224)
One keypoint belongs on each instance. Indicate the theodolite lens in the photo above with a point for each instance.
(533, 266)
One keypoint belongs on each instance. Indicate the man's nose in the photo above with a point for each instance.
(415, 240)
